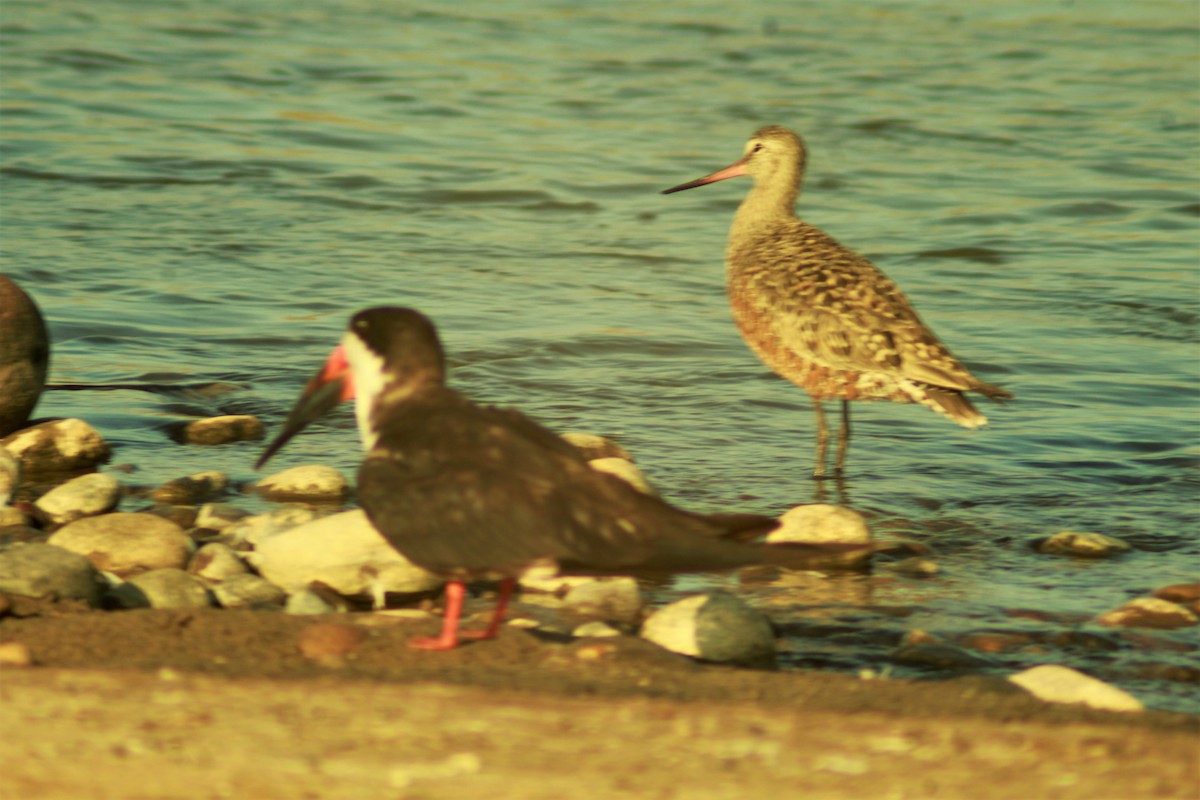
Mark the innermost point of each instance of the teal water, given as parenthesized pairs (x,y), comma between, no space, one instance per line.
(202,192)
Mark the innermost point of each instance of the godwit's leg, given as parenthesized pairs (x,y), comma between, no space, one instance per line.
(843,438)
(448,639)
(822,438)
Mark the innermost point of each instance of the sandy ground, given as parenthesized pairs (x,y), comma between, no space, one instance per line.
(224,704)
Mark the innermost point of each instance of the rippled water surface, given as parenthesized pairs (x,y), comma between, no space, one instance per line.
(201,192)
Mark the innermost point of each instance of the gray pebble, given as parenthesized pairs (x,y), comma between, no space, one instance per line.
(716,626)
(83,496)
(312,483)
(1082,544)
(43,570)
(124,543)
(191,489)
(162,588)
(62,445)
(247,590)
(223,430)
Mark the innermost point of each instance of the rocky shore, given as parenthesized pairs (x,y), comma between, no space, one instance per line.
(177,580)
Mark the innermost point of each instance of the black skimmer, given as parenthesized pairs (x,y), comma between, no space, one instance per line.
(481,493)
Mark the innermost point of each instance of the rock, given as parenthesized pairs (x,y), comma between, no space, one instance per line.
(183,516)
(192,489)
(247,589)
(939,655)
(344,552)
(625,470)
(311,483)
(1149,612)
(1058,684)
(716,626)
(162,588)
(995,642)
(11,515)
(1182,593)
(595,447)
(307,601)
(916,567)
(595,630)
(10,476)
(216,562)
(820,523)
(223,430)
(45,571)
(609,598)
(24,356)
(329,643)
(15,654)
(1081,544)
(61,445)
(258,528)
(124,543)
(84,496)
(219,516)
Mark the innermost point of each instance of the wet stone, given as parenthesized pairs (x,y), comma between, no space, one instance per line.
(10,475)
(223,430)
(1149,612)
(62,445)
(161,588)
(625,470)
(218,516)
(716,626)
(191,489)
(344,552)
(1082,545)
(84,496)
(939,655)
(125,543)
(995,642)
(310,483)
(820,523)
(593,446)
(1058,684)
(183,516)
(247,589)
(216,562)
(1182,593)
(45,571)
(917,567)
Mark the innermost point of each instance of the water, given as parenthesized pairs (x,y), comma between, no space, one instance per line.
(202,192)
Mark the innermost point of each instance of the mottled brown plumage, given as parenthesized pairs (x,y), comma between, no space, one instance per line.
(821,315)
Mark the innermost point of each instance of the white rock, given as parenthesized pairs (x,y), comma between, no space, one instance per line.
(820,523)
(43,570)
(342,551)
(1149,612)
(162,588)
(617,598)
(307,601)
(1083,544)
(312,482)
(595,630)
(62,445)
(124,543)
(84,496)
(593,446)
(247,589)
(10,475)
(625,470)
(1058,684)
(216,562)
(260,527)
(716,626)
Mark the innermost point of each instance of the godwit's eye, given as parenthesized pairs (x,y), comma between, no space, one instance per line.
(756,148)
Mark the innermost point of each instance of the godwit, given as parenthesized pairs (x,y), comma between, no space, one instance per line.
(821,315)
(478,493)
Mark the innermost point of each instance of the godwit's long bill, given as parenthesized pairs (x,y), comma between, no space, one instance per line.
(481,493)
(821,315)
